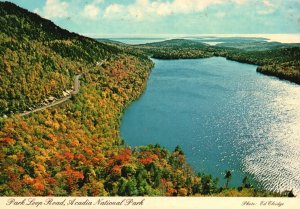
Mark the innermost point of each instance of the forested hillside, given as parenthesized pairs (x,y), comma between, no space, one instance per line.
(283,63)
(39,59)
(281,60)
(176,49)
(75,148)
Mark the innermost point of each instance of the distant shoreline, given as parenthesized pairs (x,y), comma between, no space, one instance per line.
(282,38)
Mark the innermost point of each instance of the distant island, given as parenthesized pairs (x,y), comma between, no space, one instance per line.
(75,148)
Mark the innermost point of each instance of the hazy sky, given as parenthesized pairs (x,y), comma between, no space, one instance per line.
(100,17)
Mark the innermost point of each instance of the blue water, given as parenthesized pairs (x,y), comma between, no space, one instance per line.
(224,115)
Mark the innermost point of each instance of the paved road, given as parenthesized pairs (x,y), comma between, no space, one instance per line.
(76,90)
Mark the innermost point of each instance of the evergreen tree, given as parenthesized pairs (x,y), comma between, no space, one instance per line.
(228,177)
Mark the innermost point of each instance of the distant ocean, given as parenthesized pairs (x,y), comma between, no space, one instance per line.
(211,39)
(137,40)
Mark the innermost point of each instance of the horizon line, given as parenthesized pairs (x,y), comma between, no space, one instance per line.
(180,34)
(271,37)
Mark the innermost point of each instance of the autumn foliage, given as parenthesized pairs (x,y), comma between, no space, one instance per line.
(75,148)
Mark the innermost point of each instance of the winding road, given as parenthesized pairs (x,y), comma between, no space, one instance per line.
(76,90)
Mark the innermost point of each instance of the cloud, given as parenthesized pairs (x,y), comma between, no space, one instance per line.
(113,10)
(91,11)
(241,2)
(182,6)
(54,9)
(142,9)
(164,9)
(269,8)
(267,3)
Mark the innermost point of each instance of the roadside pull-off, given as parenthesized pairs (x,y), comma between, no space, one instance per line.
(76,90)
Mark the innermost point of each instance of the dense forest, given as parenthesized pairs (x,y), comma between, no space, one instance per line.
(39,59)
(280,60)
(75,148)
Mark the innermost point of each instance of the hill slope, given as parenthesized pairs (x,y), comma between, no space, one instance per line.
(39,59)
(281,61)
(75,149)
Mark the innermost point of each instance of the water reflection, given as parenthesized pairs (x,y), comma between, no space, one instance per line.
(225,116)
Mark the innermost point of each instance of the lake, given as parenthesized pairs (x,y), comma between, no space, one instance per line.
(225,116)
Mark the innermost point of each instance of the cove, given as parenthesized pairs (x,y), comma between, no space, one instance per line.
(225,116)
